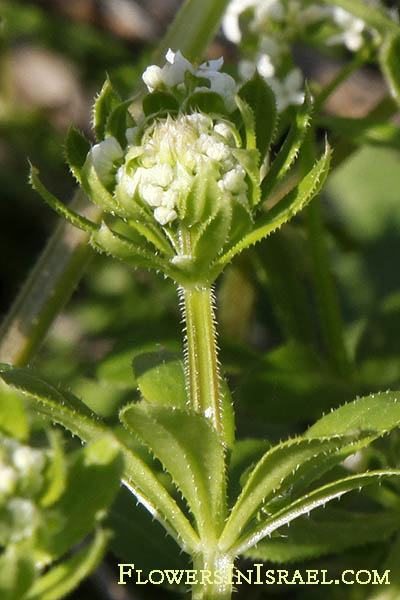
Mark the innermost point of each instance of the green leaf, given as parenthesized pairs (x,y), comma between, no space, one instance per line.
(304,505)
(275,474)
(13,417)
(105,103)
(118,121)
(289,150)
(390,61)
(160,377)
(17,571)
(66,576)
(64,408)
(76,150)
(60,208)
(206,102)
(285,210)
(77,418)
(328,530)
(377,414)
(92,484)
(96,190)
(56,471)
(159,102)
(213,235)
(259,96)
(120,247)
(189,448)
(249,122)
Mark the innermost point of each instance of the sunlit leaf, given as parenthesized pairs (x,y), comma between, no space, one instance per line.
(105,103)
(328,530)
(189,448)
(160,377)
(307,503)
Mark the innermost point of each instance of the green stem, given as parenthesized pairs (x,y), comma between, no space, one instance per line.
(328,303)
(64,260)
(201,354)
(213,576)
(48,288)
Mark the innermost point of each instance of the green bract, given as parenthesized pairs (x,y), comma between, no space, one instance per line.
(181,188)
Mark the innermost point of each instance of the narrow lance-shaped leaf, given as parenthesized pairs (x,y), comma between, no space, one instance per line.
(160,377)
(66,576)
(60,208)
(189,448)
(276,472)
(106,102)
(306,504)
(377,413)
(390,61)
(119,120)
(121,248)
(290,148)
(63,408)
(330,530)
(259,96)
(285,210)
(76,151)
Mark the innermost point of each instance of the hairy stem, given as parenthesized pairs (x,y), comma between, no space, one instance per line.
(212,576)
(201,354)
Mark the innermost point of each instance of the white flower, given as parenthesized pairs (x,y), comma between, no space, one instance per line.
(8,479)
(174,152)
(230,22)
(104,156)
(153,77)
(288,91)
(28,459)
(173,74)
(266,11)
(352,30)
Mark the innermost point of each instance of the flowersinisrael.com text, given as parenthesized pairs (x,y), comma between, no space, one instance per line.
(258,575)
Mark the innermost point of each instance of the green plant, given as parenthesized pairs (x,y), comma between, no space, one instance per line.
(204,172)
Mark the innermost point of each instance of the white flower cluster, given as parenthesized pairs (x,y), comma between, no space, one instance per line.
(21,478)
(277,22)
(173,152)
(173,74)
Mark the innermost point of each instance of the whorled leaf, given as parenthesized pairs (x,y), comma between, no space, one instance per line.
(304,505)
(376,414)
(62,407)
(76,151)
(58,206)
(276,472)
(260,98)
(328,530)
(160,377)
(290,148)
(283,211)
(107,100)
(118,246)
(118,121)
(189,448)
